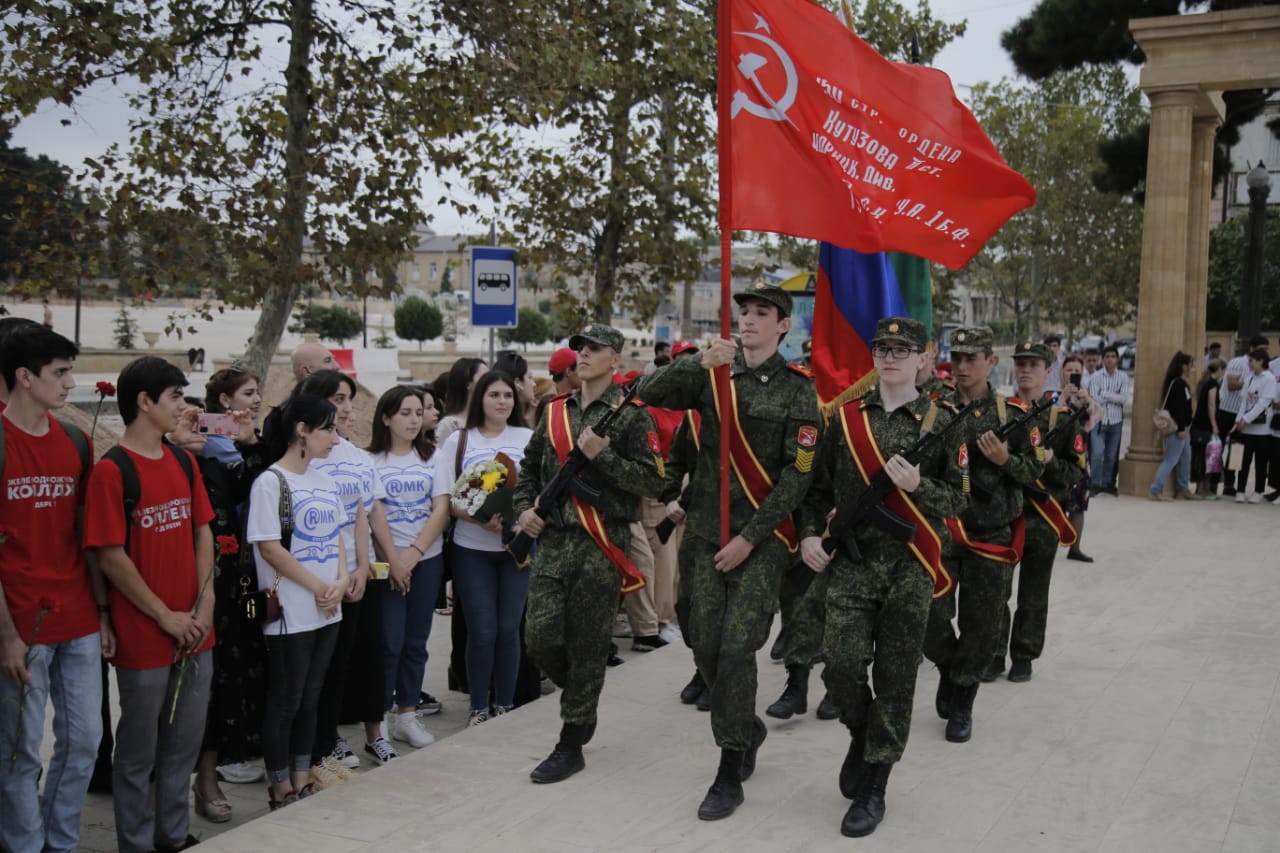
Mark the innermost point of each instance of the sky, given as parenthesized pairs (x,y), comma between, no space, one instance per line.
(99,121)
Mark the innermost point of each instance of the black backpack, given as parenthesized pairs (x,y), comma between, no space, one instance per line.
(132,487)
(78,438)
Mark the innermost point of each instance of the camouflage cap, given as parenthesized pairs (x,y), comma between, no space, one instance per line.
(770,293)
(598,333)
(971,340)
(1032,349)
(902,329)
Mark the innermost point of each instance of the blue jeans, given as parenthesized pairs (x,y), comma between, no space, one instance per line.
(1105,452)
(493,591)
(406,625)
(68,674)
(1177,458)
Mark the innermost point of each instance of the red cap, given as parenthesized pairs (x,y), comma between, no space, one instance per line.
(681,347)
(562,360)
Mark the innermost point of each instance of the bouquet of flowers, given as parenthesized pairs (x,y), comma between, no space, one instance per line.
(485,489)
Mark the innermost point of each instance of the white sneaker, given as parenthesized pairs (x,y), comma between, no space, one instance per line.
(406,729)
(343,754)
(670,632)
(1276,501)
(1241,497)
(381,750)
(476,718)
(1255,498)
(241,773)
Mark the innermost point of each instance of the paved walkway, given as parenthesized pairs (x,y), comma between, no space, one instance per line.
(1151,724)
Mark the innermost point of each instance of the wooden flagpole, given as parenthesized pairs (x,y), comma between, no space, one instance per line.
(724,150)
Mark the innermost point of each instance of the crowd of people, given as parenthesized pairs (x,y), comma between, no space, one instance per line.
(256,582)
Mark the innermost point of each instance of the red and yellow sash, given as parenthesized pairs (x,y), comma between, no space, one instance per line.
(855,422)
(1007,554)
(755,481)
(1055,516)
(560,433)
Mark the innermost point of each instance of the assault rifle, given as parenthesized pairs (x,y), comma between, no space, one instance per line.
(870,508)
(1002,432)
(1073,414)
(567,482)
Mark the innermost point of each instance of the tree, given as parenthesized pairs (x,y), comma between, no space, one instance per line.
(41,219)
(598,150)
(531,328)
(332,323)
(1061,35)
(1227,246)
(1072,258)
(418,320)
(333,149)
(124,329)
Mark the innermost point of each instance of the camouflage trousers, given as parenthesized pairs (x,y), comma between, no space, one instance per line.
(981,585)
(803,607)
(1034,573)
(729,614)
(573,596)
(877,611)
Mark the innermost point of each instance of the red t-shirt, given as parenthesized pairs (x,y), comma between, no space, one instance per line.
(41,563)
(161,545)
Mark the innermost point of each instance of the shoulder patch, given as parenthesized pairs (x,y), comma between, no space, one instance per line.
(801,370)
(1018,404)
(808,436)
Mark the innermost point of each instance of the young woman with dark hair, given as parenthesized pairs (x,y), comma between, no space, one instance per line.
(514,365)
(491,590)
(402,452)
(1175,392)
(462,377)
(310,579)
(1253,427)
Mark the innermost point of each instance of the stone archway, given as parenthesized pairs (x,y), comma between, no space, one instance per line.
(1191,61)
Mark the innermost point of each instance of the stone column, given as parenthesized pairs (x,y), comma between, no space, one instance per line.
(1202,131)
(1162,290)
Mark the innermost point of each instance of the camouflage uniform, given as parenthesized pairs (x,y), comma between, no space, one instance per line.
(1066,468)
(877,609)
(574,591)
(729,613)
(803,609)
(995,502)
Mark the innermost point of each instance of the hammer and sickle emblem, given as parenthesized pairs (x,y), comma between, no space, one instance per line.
(749,64)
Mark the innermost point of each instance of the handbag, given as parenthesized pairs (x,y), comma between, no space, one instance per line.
(263,605)
(1162,420)
(1213,456)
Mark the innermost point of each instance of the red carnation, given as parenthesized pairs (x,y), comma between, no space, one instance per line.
(106,389)
(48,605)
(228,545)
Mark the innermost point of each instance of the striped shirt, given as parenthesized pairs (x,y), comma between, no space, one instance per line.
(1228,400)
(1111,391)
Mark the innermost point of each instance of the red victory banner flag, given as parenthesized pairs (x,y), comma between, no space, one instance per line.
(825,138)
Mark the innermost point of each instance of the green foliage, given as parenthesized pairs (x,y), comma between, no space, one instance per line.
(531,328)
(418,320)
(1227,246)
(331,143)
(124,329)
(1073,258)
(331,322)
(383,340)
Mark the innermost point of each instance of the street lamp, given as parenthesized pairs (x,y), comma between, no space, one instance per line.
(1259,184)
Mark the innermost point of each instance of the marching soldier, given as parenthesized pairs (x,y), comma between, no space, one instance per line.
(1047,523)
(878,606)
(580,569)
(774,428)
(986,539)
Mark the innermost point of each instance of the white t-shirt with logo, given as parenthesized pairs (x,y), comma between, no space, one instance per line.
(407,484)
(316,542)
(352,469)
(511,441)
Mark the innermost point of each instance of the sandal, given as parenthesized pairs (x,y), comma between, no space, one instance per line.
(214,811)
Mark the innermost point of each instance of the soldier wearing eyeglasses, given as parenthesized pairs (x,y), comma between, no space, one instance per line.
(878,600)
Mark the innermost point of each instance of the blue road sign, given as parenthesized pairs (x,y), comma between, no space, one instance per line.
(493,287)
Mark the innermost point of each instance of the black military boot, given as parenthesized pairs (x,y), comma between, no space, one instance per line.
(960,723)
(867,809)
(942,701)
(566,759)
(853,768)
(725,794)
(759,731)
(795,696)
(693,689)
(993,670)
(827,709)
(703,702)
(1020,671)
